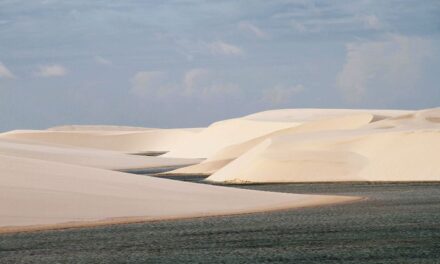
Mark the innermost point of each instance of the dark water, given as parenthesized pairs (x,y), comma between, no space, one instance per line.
(399,223)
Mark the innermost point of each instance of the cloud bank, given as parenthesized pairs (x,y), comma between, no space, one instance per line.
(102,60)
(391,66)
(54,70)
(196,83)
(5,72)
(282,94)
(149,83)
(223,48)
(249,27)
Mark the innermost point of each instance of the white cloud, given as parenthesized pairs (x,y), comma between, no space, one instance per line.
(315,23)
(391,66)
(194,77)
(202,83)
(190,48)
(300,27)
(371,22)
(149,83)
(216,89)
(195,83)
(281,94)
(5,72)
(223,48)
(54,70)
(102,60)
(247,26)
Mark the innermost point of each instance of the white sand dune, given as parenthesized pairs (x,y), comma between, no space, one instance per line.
(154,140)
(62,177)
(37,194)
(101,128)
(239,130)
(88,157)
(311,114)
(402,148)
(204,168)
(97,128)
(222,134)
(313,121)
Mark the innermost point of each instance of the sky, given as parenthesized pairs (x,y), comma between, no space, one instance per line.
(189,63)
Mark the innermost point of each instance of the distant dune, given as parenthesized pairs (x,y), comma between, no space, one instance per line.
(124,140)
(97,128)
(89,157)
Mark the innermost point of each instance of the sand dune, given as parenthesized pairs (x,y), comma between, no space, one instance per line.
(97,128)
(62,177)
(204,168)
(88,157)
(400,148)
(235,131)
(154,140)
(317,121)
(37,194)
(100,128)
(311,114)
(222,134)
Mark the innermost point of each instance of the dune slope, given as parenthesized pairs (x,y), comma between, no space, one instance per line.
(37,194)
(402,148)
(222,134)
(153,140)
(313,120)
(88,157)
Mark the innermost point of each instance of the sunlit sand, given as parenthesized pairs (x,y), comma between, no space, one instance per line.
(71,176)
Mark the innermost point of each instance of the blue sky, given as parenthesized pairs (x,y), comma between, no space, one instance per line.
(189,63)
